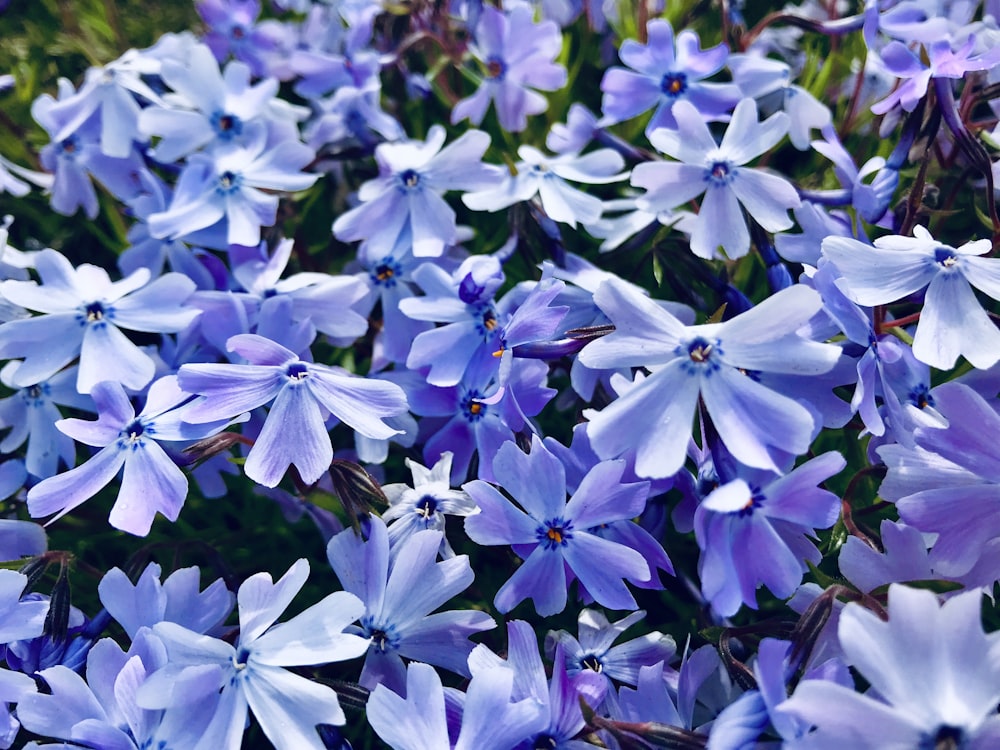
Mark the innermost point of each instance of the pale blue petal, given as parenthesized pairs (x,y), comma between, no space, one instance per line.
(261,601)
(541,578)
(107,354)
(498,521)
(601,565)
(316,636)
(360,403)
(536,480)
(63,492)
(752,419)
(288,707)
(151,482)
(362,565)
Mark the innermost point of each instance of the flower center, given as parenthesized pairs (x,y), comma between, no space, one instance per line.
(240,659)
(554,533)
(472,409)
(591,662)
(229,182)
(95,312)
(699,350)
(495,69)
(921,396)
(427,505)
(945,257)
(755,501)
(545,742)
(719,172)
(385,273)
(947,738)
(226,125)
(297,371)
(409,178)
(383,637)
(674,84)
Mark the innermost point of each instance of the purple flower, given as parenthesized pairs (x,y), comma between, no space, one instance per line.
(516,55)
(901,61)
(419,721)
(151,481)
(716,363)
(546,177)
(233,29)
(210,107)
(952,321)
(32,413)
(717,170)
(413,176)
(304,394)
(252,672)
(663,74)
(399,596)
(83,309)
(177,599)
(424,506)
(946,484)
(594,649)
(935,678)
(756,534)
(555,535)
(228,185)
(102,712)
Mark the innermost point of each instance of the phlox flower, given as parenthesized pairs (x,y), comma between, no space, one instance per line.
(151,481)
(229,183)
(178,599)
(413,177)
(399,594)
(83,310)
(902,62)
(752,531)
(517,55)
(252,673)
(553,534)
(717,170)
(593,649)
(946,483)
(546,176)
(489,719)
(208,106)
(234,29)
(31,415)
(476,417)
(663,72)
(952,321)
(101,712)
(77,155)
(935,678)
(304,395)
(717,364)
(559,696)
(424,506)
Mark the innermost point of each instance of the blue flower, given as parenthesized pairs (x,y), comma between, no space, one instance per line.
(662,73)
(751,535)
(717,170)
(151,481)
(715,363)
(399,595)
(304,394)
(935,678)
(516,55)
(490,721)
(83,311)
(413,176)
(952,321)
(252,672)
(554,535)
